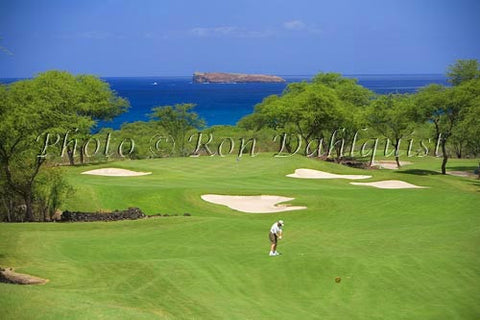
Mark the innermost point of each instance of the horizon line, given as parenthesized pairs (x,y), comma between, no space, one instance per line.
(281,75)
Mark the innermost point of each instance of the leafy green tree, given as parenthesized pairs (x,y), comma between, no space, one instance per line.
(309,111)
(258,119)
(355,99)
(433,107)
(313,110)
(52,102)
(394,117)
(51,190)
(465,139)
(90,98)
(23,117)
(471,123)
(463,70)
(147,137)
(447,108)
(460,139)
(177,121)
(348,89)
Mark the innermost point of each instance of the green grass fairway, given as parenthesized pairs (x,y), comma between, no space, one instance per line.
(401,254)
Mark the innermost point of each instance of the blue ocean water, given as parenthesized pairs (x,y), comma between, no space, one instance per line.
(225,104)
(216,103)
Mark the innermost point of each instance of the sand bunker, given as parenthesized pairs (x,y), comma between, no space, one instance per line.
(390,164)
(115,172)
(316,174)
(388,184)
(252,204)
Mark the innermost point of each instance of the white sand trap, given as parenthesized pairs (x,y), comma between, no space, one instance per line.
(316,174)
(390,164)
(115,172)
(388,184)
(252,204)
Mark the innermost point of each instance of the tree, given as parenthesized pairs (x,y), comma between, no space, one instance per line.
(52,102)
(306,109)
(313,110)
(460,138)
(463,70)
(348,90)
(466,138)
(177,121)
(446,108)
(90,98)
(471,128)
(258,120)
(51,191)
(301,109)
(355,98)
(393,116)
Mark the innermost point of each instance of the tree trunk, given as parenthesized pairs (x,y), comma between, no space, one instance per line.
(70,156)
(339,155)
(288,146)
(9,216)
(397,152)
(11,211)
(44,213)
(23,190)
(81,156)
(8,204)
(445,157)
(397,160)
(29,204)
(458,150)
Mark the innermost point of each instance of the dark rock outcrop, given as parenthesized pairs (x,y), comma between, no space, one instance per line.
(129,214)
(220,77)
(8,275)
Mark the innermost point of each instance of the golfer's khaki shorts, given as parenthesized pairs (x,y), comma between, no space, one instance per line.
(272,237)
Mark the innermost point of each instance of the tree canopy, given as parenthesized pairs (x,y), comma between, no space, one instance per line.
(177,121)
(463,70)
(394,117)
(450,110)
(51,103)
(313,109)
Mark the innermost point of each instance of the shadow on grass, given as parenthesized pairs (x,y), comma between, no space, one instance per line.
(420,172)
(463,168)
(89,164)
(477,184)
(80,165)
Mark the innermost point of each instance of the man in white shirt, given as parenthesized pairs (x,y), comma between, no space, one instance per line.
(275,234)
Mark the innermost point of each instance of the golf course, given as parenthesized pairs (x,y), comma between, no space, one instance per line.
(396,253)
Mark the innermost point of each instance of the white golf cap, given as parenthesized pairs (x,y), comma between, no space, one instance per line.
(281,222)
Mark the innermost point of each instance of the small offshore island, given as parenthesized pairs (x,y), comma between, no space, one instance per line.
(220,77)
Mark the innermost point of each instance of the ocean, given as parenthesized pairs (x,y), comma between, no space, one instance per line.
(225,104)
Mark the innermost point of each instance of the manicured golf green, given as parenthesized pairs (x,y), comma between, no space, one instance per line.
(400,254)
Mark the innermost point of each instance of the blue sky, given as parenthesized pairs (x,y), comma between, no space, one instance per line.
(296,37)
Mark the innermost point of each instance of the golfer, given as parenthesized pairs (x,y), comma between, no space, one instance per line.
(275,235)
